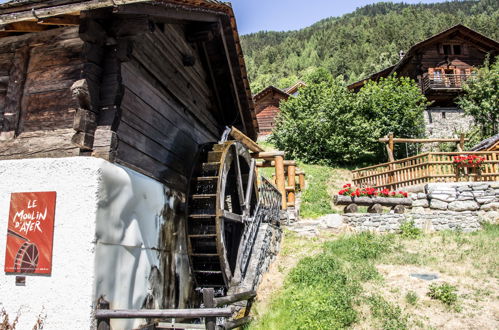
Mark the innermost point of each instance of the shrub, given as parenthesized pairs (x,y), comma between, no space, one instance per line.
(409,230)
(390,315)
(411,298)
(328,123)
(444,292)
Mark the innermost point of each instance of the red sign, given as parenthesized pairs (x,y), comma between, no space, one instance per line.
(30,233)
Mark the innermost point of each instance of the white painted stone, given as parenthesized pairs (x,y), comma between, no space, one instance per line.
(418,209)
(421,196)
(463,206)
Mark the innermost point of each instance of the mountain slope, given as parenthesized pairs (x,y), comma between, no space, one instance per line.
(359,43)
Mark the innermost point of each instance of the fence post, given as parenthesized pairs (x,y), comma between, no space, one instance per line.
(209,302)
(291,184)
(279,174)
(103,324)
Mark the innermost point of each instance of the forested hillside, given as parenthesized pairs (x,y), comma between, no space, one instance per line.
(360,43)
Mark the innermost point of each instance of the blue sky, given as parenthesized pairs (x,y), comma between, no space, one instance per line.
(283,15)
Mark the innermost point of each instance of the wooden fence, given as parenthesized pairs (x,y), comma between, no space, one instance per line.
(424,168)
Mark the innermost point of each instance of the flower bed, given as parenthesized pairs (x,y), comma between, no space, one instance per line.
(370,192)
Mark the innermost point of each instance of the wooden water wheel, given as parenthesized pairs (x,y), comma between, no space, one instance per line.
(26,258)
(222,201)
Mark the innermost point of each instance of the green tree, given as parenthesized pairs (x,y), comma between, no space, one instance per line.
(481,99)
(326,123)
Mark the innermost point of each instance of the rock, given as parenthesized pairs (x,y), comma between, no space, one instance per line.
(441,187)
(491,216)
(413,196)
(480,186)
(443,196)
(333,220)
(375,208)
(494,185)
(485,199)
(398,209)
(490,207)
(351,208)
(463,197)
(464,188)
(421,196)
(463,206)
(421,203)
(438,204)
(479,193)
(418,210)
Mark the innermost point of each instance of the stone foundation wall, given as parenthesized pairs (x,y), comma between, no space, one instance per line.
(446,122)
(442,206)
(390,222)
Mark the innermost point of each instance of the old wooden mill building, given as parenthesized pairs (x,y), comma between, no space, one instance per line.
(167,200)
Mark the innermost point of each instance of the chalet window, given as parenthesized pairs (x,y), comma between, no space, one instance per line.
(443,115)
(448,49)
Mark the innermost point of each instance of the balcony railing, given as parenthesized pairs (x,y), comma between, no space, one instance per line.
(443,81)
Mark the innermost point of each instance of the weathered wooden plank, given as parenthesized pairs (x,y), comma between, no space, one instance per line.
(143,117)
(51,110)
(137,160)
(53,143)
(171,81)
(17,77)
(152,94)
(152,149)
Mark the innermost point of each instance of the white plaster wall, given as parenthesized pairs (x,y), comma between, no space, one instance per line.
(66,295)
(107,240)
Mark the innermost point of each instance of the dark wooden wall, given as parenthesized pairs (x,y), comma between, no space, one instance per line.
(36,106)
(167,107)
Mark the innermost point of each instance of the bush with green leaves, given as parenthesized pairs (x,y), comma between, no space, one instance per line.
(481,100)
(409,230)
(327,123)
(444,292)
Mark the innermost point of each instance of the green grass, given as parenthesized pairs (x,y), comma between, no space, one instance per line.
(339,285)
(321,291)
(316,198)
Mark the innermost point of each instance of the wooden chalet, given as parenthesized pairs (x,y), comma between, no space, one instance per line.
(490,144)
(267,108)
(440,65)
(140,83)
(267,105)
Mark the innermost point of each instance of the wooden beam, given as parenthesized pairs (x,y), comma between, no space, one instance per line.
(227,300)
(167,13)
(232,77)
(301,176)
(268,154)
(13,110)
(41,13)
(404,140)
(68,20)
(26,26)
(162,313)
(268,163)
(279,173)
(237,323)
(245,140)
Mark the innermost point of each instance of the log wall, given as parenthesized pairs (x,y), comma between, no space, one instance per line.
(36,106)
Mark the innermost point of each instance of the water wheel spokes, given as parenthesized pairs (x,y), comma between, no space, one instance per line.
(223,199)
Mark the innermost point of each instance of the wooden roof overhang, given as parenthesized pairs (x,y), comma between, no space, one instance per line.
(483,43)
(208,18)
